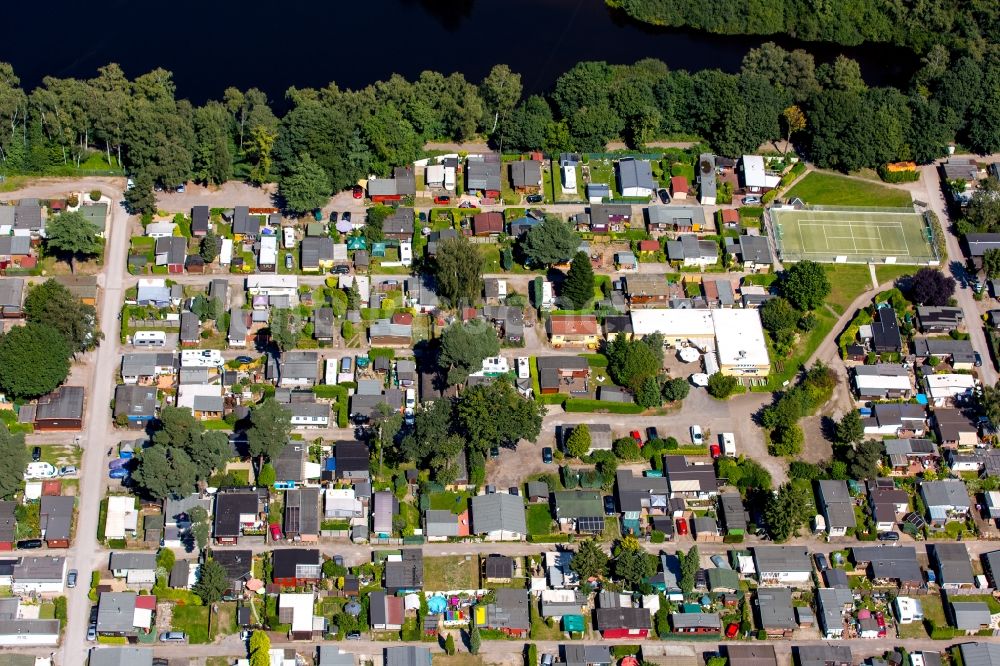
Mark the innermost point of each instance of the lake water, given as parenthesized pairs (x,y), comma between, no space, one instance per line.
(212,44)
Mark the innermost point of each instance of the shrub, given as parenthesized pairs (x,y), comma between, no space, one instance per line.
(95,195)
(722,386)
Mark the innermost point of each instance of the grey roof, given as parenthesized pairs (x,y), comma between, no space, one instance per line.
(315,250)
(961,350)
(399,223)
(640,492)
(482,172)
(498,511)
(56,516)
(635,173)
(133,400)
(180,573)
(407,655)
(696,621)
(331,655)
(209,403)
(302,511)
(782,558)
(237,325)
(144,364)
(323,323)
(121,561)
(15,245)
(755,249)
(575,654)
(951,563)
(939,316)
(751,654)
(228,508)
(619,618)
(289,464)
(734,514)
(384,328)
(897,563)
(244,223)
(947,492)
(526,173)
(116,612)
(66,402)
(11,292)
(677,470)
(970,615)
(836,504)
(980,654)
(172,248)
(440,522)
(682,217)
(121,656)
(407,574)
(825,655)
(830,604)
(28,216)
(774,608)
(300,365)
(706,175)
(688,246)
(509,610)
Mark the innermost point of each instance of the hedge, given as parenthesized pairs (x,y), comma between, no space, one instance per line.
(587,405)
(338,393)
(548,538)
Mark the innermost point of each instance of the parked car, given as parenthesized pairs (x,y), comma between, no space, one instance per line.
(731,630)
(637,437)
(696,435)
(341,269)
(119,473)
(71,578)
(534,198)
(682,526)
(547,659)
(66,470)
(494,452)
(334,216)
(29,544)
(820,561)
(275,532)
(609,505)
(720,562)
(244,359)
(547,455)
(664,195)
(888,536)
(751,199)
(36,453)
(92,632)
(358,192)
(173,637)
(289,262)
(442,199)
(466,204)
(181,188)
(354,636)
(346,216)
(715,451)
(117,463)
(651,434)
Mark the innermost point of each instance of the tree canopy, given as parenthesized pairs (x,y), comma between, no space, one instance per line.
(590,561)
(14,453)
(270,426)
(212,582)
(930,286)
(494,414)
(72,234)
(805,285)
(184,452)
(305,187)
(458,270)
(51,304)
(34,360)
(464,345)
(549,242)
(578,443)
(578,289)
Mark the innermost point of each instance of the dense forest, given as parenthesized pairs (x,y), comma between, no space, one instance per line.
(919,25)
(834,117)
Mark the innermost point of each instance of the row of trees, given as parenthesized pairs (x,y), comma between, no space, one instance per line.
(330,138)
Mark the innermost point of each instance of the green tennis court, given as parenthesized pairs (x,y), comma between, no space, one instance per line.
(844,234)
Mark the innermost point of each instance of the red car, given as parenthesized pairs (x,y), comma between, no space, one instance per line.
(732,630)
(359,192)
(637,437)
(715,451)
(682,527)
(275,532)
(442,200)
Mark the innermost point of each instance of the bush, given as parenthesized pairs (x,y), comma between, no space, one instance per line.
(587,405)
(722,386)
(657,536)
(95,195)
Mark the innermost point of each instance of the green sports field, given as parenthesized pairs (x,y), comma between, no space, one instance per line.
(844,234)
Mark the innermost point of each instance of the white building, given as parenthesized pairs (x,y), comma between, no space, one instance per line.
(755,177)
(944,387)
(122,517)
(908,610)
(268,256)
(273,285)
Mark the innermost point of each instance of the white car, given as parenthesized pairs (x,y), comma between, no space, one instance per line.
(696,436)
(411,399)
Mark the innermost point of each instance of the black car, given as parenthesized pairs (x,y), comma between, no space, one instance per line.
(341,269)
(609,505)
(359,419)
(244,359)
(494,452)
(888,536)
(664,195)
(700,578)
(334,216)
(651,434)
(534,198)
(547,455)
(36,453)
(29,544)
(820,561)
(514,490)
(346,217)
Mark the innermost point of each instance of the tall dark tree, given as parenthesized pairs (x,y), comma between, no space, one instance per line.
(458,270)
(929,286)
(34,360)
(15,456)
(270,426)
(52,304)
(578,288)
(463,348)
(805,285)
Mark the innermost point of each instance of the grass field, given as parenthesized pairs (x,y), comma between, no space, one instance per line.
(451,573)
(857,235)
(539,519)
(830,189)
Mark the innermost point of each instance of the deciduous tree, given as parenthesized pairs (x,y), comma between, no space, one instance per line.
(34,360)
(464,346)
(675,388)
(458,270)
(631,562)
(305,187)
(805,285)
(270,426)
(929,286)
(72,234)
(14,453)
(495,414)
(549,242)
(850,429)
(51,304)
(578,443)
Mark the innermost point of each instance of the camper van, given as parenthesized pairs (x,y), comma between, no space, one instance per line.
(149,339)
(728,443)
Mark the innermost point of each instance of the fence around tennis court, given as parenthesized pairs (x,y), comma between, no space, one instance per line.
(921,245)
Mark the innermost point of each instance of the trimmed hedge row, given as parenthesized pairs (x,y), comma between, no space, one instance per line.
(599,406)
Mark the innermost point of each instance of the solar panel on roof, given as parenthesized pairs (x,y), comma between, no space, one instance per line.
(590,524)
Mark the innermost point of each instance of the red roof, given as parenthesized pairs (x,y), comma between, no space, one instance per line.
(52,488)
(573,325)
(730,215)
(648,246)
(146,601)
(394,613)
(679,184)
(488,223)
(468,314)
(402,318)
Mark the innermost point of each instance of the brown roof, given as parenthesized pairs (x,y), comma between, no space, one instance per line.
(648,246)
(679,183)
(730,215)
(402,318)
(488,223)
(573,325)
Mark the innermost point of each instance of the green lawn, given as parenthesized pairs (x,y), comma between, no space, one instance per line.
(821,188)
(455,572)
(539,519)
(847,281)
(446,501)
(890,273)
(192,620)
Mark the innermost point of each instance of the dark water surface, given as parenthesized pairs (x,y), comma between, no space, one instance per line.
(212,44)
